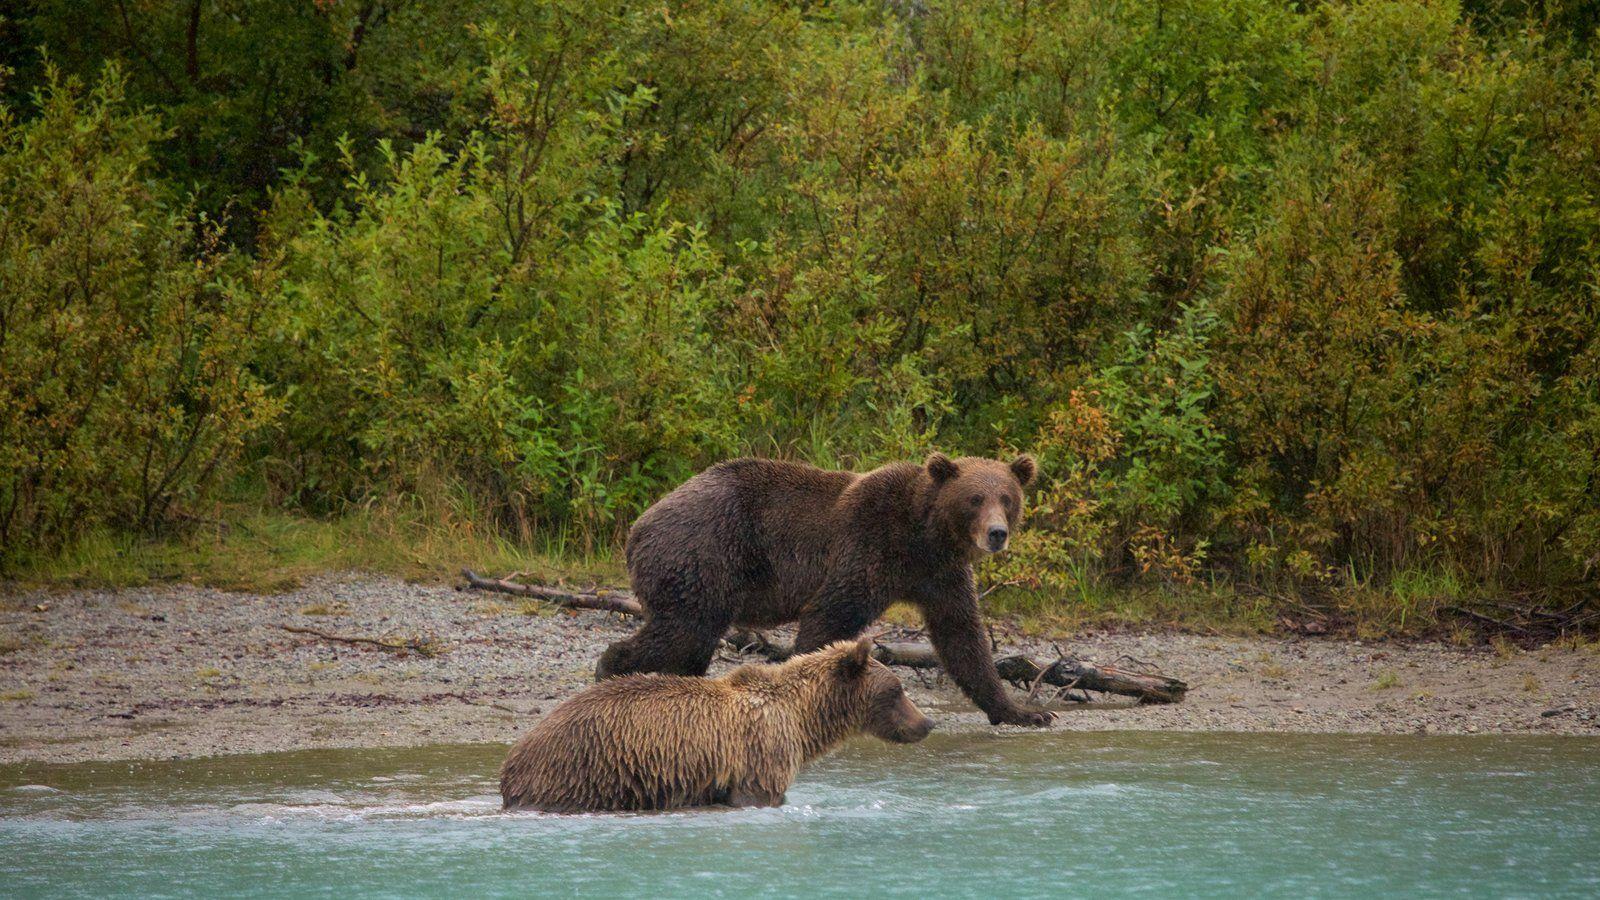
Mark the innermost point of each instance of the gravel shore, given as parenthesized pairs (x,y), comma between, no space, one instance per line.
(180,671)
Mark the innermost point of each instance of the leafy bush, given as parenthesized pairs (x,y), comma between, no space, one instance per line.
(124,328)
(482,316)
(1302,296)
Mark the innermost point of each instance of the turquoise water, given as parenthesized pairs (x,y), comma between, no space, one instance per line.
(1024,815)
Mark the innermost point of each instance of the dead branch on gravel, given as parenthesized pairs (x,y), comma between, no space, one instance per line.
(420,646)
(601,600)
(745,642)
(1491,620)
(1066,672)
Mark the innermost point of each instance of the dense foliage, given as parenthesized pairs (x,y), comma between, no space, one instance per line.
(1298,294)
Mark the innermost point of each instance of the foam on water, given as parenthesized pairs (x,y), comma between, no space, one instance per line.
(972,815)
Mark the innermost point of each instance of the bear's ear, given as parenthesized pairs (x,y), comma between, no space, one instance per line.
(941,468)
(1023,467)
(856,660)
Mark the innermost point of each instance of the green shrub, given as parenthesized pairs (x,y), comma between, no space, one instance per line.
(1284,297)
(124,328)
(480,316)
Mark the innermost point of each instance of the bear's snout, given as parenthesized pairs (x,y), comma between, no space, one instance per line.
(899,720)
(915,731)
(909,731)
(997,538)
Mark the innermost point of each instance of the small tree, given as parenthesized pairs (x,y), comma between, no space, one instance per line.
(123,342)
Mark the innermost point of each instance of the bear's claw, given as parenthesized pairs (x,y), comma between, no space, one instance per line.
(1019,715)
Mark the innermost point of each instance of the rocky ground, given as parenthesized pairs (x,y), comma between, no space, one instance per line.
(183,671)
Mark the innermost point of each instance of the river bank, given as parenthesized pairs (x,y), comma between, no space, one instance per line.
(182,671)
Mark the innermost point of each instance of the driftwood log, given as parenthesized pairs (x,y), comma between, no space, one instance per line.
(1065,673)
(1069,672)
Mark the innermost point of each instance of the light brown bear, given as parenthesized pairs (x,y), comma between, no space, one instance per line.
(655,742)
(761,542)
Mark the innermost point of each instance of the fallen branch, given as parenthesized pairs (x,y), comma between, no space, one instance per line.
(1066,672)
(744,642)
(906,653)
(603,601)
(423,646)
(1070,672)
(1491,620)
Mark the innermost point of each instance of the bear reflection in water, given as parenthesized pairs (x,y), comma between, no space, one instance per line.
(655,742)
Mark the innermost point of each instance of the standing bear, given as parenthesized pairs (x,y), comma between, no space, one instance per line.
(759,542)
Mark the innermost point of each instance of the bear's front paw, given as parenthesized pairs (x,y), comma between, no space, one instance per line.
(1031,716)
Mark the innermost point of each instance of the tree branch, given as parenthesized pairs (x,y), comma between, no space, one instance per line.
(602,601)
(423,646)
(138,49)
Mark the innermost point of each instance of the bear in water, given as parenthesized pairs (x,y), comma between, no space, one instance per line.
(654,742)
(760,542)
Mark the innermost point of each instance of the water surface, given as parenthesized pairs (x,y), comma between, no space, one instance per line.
(1019,815)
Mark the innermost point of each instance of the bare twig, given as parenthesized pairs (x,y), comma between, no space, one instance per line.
(1033,689)
(998,586)
(1136,662)
(1512,626)
(423,646)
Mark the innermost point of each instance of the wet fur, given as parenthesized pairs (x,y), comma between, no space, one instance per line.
(654,742)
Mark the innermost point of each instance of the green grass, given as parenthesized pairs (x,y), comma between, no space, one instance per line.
(1200,608)
(253,548)
(1412,603)
(258,550)
(250,547)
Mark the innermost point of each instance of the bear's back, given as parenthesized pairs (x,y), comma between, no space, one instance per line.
(641,742)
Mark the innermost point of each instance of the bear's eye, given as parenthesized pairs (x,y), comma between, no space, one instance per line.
(976,500)
(1006,501)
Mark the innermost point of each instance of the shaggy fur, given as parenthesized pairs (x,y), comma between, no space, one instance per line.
(652,742)
(760,542)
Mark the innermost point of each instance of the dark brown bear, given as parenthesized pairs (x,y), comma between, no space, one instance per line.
(759,542)
(651,742)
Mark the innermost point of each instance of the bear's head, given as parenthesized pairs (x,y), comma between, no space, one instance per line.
(978,501)
(877,695)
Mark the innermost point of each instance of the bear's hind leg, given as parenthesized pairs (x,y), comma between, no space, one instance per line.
(671,649)
(621,658)
(689,606)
